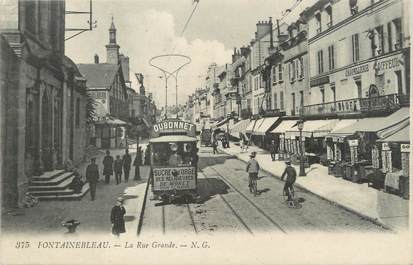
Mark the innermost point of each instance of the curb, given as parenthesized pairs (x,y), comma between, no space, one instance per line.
(363,216)
(143,206)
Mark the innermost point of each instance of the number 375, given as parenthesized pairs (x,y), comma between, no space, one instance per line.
(22,244)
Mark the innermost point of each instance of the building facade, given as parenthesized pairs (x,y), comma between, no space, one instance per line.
(46,95)
(358,50)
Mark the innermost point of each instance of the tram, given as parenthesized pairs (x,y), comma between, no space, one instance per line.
(173,160)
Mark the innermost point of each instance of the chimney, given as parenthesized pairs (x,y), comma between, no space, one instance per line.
(278,28)
(263,28)
(271,35)
(96,59)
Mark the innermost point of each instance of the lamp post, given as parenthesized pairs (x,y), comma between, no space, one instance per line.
(300,128)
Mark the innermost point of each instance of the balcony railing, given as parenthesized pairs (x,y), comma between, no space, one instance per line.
(357,105)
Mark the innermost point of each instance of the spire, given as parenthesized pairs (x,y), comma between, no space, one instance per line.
(112,26)
(112,33)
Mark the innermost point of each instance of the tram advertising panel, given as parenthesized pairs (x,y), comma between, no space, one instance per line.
(176,178)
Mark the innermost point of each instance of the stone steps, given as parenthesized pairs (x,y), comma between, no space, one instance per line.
(58,179)
(53,185)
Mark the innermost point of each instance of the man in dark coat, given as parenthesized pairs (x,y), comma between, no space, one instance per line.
(273,150)
(214,146)
(107,166)
(137,163)
(118,169)
(291,174)
(92,176)
(127,160)
(117,218)
(147,156)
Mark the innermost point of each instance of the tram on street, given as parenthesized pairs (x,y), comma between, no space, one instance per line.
(173,160)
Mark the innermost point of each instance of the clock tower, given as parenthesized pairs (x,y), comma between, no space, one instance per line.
(112,49)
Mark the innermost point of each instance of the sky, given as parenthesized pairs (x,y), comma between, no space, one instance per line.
(148,28)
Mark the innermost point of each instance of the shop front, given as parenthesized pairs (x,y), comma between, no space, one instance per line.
(392,157)
(261,134)
(281,141)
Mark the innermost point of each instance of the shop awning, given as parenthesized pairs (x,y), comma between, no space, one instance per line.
(111,121)
(284,126)
(251,126)
(340,125)
(316,128)
(239,127)
(375,124)
(401,136)
(265,125)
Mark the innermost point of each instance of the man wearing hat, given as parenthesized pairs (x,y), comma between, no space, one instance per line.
(291,177)
(117,217)
(92,176)
(252,168)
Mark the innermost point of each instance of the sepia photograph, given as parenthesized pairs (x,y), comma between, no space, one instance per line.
(205,132)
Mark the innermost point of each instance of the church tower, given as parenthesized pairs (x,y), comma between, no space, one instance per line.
(112,49)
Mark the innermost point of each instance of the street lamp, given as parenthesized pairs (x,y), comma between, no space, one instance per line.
(300,125)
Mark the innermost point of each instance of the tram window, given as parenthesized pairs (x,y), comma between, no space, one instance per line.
(174,154)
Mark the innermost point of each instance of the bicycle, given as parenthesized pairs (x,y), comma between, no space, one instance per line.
(293,203)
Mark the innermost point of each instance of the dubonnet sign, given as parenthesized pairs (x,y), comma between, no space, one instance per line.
(163,179)
(173,126)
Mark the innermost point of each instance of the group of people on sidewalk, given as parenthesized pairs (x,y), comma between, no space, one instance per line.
(112,166)
(253,168)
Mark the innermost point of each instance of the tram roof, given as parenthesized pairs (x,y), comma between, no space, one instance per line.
(172,138)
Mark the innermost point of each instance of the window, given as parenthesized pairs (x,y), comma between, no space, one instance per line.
(280,73)
(398,37)
(274,74)
(293,101)
(297,68)
(331,57)
(301,67)
(323,96)
(281,100)
(389,36)
(77,120)
(355,47)
(30,15)
(320,62)
(329,11)
(377,41)
(318,21)
(301,98)
(275,100)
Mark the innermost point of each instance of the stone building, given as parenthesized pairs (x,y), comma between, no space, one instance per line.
(44,95)
(357,50)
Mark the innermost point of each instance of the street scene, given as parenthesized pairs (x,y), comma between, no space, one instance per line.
(145,118)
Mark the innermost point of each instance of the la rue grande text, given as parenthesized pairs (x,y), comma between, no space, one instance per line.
(170,244)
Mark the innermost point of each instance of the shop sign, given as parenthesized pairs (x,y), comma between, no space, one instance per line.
(357,70)
(163,179)
(173,126)
(385,147)
(405,148)
(353,142)
(387,64)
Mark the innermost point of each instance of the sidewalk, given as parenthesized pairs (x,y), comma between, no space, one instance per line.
(387,209)
(46,217)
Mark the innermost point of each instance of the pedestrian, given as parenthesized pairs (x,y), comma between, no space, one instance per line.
(147,160)
(117,218)
(107,166)
(273,150)
(291,174)
(253,168)
(214,146)
(92,176)
(137,163)
(118,169)
(76,184)
(127,160)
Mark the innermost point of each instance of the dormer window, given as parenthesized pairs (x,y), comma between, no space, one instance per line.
(329,11)
(353,7)
(318,21)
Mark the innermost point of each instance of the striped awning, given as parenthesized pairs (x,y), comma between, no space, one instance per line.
(253,125)
(239,128)
(266,124)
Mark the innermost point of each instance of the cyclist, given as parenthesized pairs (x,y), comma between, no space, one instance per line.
(252,168)
(291,176)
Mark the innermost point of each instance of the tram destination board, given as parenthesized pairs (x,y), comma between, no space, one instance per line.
(164,179)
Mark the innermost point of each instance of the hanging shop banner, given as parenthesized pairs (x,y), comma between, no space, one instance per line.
(330,154)
(166,179)
(353,142)
(386,158)
(375,157)
(353,155)
(405,148)
(385,147)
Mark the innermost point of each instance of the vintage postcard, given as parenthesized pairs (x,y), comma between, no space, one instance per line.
(205,132)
